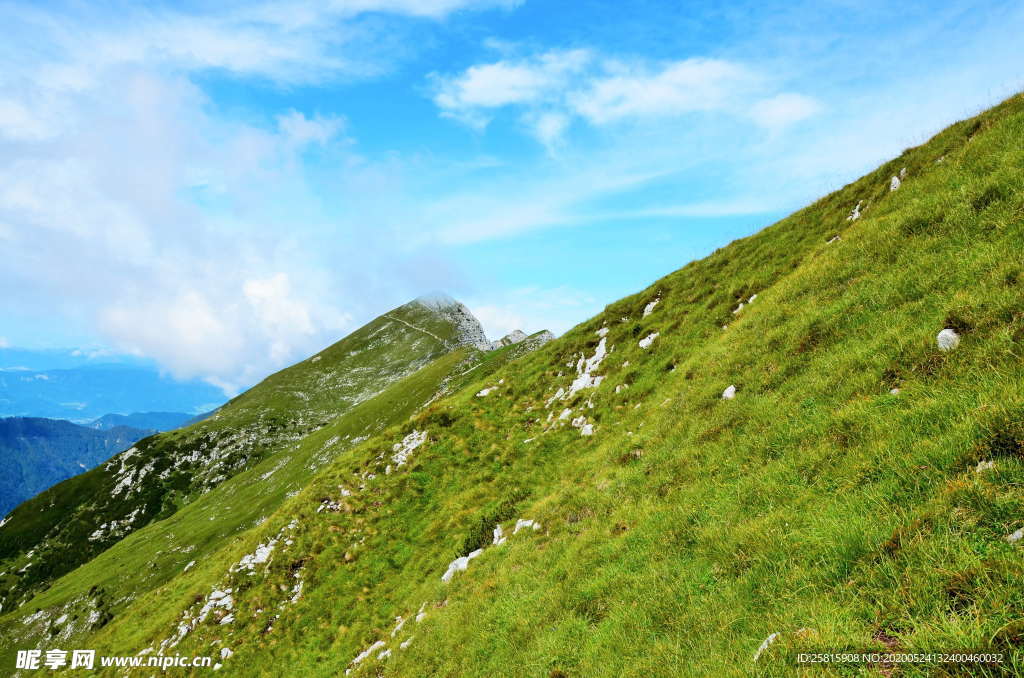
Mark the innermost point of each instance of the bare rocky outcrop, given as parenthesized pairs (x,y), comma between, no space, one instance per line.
(468,330)
(513,337)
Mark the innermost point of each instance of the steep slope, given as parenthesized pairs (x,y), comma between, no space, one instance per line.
(769,451)
(73,522)
(38,453)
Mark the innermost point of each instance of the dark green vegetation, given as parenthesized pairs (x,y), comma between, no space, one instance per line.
(818,504)
(37,453)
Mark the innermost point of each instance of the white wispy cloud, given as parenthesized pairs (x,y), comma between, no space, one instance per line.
(131,203)
(318,129)
(677,88)
(784,109)
(556,86)
(469,95)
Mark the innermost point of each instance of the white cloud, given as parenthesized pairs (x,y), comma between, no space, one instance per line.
(4,343)
(298,14)
(230,337)
(680,87)
(292,42)
(518,204)
(174,230)
(556,86)
(532,309)
(784,109)
(468,95)
(18,123)
(549,128)
(302,130)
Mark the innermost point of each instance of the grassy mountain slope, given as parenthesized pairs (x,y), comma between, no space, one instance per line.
(95,592)
(817,504)
(78,519)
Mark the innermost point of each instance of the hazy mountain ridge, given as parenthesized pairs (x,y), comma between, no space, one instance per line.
(768,451)
(85,392)
(153,421)
(36,453)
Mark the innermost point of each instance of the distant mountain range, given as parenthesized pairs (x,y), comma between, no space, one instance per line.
(70,385)
(157,421)
(37,453)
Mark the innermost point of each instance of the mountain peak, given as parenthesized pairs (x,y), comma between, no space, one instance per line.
(468,330)
(437,300)
(513,337)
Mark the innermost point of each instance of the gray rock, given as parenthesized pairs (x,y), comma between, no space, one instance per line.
(947,339)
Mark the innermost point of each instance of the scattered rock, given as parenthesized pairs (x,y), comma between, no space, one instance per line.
(523,524)
(585,428)
(947,339)
(650,307)
(985,466)
(499,536)
(409,443)
(648,340)
(460,564)
(764,646)
(1016,536)
(584,368)
(486,391)
(366,653)
(854,215)
(894,391)
(729,393)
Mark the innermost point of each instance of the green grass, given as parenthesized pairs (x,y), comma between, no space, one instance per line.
(688,528)
(268,428)
(184,464)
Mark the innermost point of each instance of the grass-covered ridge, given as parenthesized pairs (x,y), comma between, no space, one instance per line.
(348,389)
(817,504)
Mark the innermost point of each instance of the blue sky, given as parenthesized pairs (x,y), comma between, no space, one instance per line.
(227,187)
